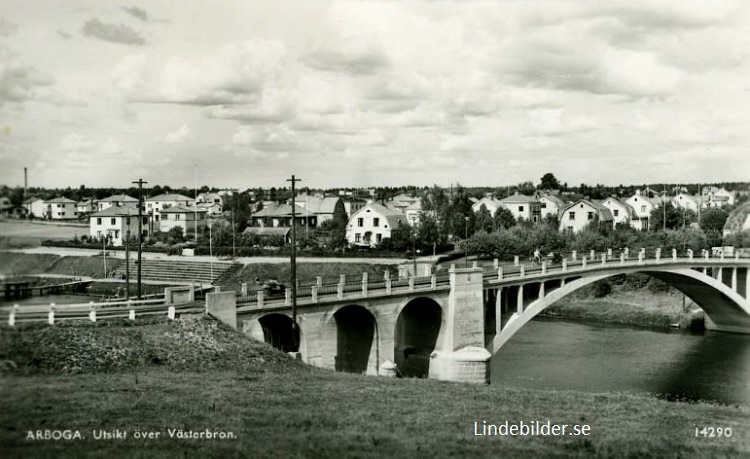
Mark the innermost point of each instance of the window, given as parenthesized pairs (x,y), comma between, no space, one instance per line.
(358,237)
(376,222)
(112,221)
(360,222)
(176,216)
(571,215)
(616,212)
(378,237)
(157,217)
(127,221)
(99,221)
(591,216)
(544,205)
(520,208)
(145,220)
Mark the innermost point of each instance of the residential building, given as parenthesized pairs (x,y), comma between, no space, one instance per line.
(738,220)
(14,212)
(37,208)
(717,197)
(86,206)
(114,222)
(642,205)
(414,213)
(352,205)
(489,203)
(687,201)
(156,204)
(372,224)
(212,198)
(187,218)
(61,208)
(622,213)
(577,216)
(324,207)
(212,209)
(280,215)
(5,203)
(523,207)
(116,200)
(401,202)
(550,205)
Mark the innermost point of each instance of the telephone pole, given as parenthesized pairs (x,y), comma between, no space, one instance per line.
(140,183)
(295,332)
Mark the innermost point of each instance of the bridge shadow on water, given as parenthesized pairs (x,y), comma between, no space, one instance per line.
(714,367)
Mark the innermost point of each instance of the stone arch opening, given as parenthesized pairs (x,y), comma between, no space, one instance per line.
(277,331)
(356,339)
(416,336)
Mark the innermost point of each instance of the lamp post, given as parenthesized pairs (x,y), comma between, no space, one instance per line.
(210,247)
(466,238)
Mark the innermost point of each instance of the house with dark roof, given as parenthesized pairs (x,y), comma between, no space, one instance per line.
(523,207)
(323,207)
(577,216)
(61,208)
(373,223)
(280,215)
(115,222)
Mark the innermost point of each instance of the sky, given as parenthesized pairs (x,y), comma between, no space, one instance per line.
(244,94)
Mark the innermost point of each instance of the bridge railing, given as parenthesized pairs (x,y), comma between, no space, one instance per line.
(92,311)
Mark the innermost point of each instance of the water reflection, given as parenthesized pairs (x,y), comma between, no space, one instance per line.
(591,357)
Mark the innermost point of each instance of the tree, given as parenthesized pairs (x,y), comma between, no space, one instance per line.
(549,182)
(713,219)
(670,216)
(484,220)
(503,218)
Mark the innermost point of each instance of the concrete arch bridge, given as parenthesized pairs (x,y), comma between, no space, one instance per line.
(447,325)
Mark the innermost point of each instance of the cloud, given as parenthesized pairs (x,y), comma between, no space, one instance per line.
(179,135)
(136,12)
(18,83)
(355,55)
(113,33)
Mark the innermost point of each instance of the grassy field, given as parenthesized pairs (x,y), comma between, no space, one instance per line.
(13,264)
(195,374)
(84,266)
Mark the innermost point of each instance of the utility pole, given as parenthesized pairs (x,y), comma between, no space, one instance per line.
(140,183)
(195,206)
(127,263)
(664,208)
(295,332)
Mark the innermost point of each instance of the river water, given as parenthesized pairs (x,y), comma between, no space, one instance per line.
(593,357)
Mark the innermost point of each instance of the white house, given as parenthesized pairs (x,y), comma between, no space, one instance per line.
(622,213)
(114,223)
(717,197)
(373,223)
(183,217)
(687,201)
(352,205)
(414,213)
(642,205)
(156,204)
(550,205)
(575,217)
(213,198)
(116,200)
(37,208)
(86,206)
(212,209)
(61,208)
(523,207)
(489,202)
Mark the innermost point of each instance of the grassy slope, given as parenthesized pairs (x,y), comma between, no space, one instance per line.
(84,266)
(276,406)
(21,263)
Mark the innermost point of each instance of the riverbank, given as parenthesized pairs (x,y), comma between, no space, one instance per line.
(196,374)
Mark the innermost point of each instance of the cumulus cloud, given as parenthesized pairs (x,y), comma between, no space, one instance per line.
(18,83)
(356,55)
(113,33)
(137,13)
(179,135)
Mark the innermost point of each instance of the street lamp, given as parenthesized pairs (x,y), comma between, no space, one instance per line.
(209,222)
(466,238)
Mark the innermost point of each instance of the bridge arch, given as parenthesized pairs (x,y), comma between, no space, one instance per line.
(417,333)
(725,308)
(351,338)
(277,331)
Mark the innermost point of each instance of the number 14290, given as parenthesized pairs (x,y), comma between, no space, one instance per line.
(713,432)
